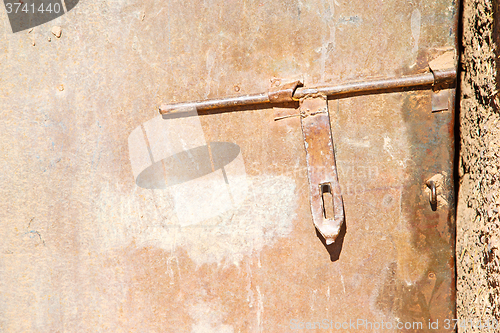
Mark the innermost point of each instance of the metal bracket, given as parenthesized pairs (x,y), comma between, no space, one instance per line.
(327,206)
(283,93)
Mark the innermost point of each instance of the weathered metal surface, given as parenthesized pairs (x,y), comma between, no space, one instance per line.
(390,205)
(84,248)
(321,168)
(443,78)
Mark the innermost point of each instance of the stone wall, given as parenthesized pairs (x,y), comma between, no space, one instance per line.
(478,237)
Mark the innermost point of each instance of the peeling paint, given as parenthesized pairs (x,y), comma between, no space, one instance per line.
(147,217)
(208,318)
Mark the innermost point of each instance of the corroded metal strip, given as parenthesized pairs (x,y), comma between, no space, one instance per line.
(324,186)
(289,93)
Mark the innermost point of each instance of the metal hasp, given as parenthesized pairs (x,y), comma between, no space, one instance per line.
(327,206)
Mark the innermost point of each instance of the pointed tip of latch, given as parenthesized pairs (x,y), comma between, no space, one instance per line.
(330,232)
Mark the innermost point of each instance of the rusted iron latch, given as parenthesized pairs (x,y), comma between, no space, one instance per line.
(325,194)
(327,206)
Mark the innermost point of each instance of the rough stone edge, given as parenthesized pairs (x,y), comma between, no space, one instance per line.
(478,223)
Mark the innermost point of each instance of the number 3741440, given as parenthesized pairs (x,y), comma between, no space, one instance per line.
(20,8)
(460,323)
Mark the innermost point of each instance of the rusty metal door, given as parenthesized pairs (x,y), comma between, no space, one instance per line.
(247,179)
(270,212)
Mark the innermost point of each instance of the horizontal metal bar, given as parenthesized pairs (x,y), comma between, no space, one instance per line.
(370,87)
(211,104)
(413,82)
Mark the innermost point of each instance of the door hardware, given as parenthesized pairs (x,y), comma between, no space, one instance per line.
(324,187)
(326,202)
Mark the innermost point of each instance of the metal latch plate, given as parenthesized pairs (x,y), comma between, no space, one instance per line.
(325,195)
